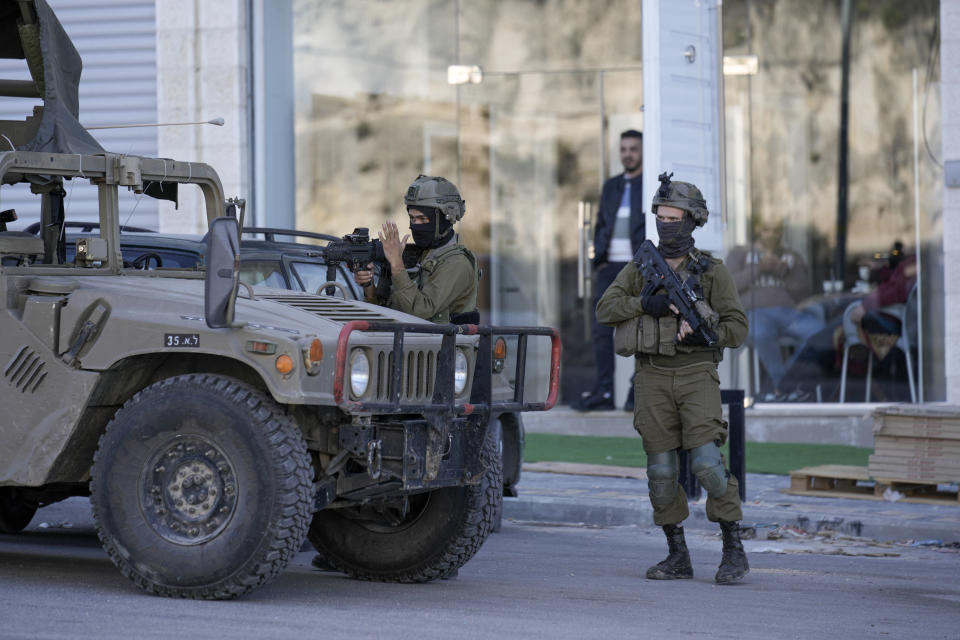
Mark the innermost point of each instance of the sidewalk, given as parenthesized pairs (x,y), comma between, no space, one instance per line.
(827,423)
(573,494)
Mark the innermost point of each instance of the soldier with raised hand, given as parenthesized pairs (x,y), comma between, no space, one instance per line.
(676,384)
(441,283)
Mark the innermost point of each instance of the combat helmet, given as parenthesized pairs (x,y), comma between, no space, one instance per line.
(682,195)
(436,192)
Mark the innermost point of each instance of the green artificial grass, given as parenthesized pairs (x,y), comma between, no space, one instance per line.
(761,457)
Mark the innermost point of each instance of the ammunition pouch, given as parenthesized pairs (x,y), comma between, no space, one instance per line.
(646,334)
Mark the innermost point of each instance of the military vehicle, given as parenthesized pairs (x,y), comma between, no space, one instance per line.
(284,259)
(215,430)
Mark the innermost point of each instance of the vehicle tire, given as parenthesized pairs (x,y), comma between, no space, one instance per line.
(201,488)
(496,432)
(15,513)
(514,441)
(440,532)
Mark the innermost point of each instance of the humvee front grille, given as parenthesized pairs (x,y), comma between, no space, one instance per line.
(26,370)
(327,307)
(417,374)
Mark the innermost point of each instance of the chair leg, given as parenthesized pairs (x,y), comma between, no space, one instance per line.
(843,373)
(756,371)
(913,388)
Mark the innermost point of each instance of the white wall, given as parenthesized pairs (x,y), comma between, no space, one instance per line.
(202,65)
(950,107)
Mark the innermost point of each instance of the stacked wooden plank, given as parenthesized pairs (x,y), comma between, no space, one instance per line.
(917,443)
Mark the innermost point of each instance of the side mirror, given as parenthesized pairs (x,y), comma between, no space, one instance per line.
(223,272)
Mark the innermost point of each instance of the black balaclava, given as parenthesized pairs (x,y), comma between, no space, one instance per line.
(676,238)
(434,233)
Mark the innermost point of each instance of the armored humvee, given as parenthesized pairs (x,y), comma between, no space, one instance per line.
(284,259)
(213,429)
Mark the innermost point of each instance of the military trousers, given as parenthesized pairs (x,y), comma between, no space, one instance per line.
(680,408)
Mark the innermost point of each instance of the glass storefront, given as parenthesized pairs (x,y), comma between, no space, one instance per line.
(526,146)
(531,144)
(783,142)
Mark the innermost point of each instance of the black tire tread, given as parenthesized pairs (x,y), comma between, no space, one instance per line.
(477,524)
(290,457)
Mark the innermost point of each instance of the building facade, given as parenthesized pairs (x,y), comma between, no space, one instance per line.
(332,108)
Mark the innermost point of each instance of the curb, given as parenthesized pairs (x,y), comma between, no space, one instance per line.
(810,520)
(595,506)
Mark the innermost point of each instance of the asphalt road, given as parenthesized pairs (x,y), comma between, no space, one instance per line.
(528,581)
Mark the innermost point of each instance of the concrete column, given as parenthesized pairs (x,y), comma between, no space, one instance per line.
(950,114)
(202,62)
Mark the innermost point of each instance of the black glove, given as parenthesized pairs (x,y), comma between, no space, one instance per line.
(694,339)
(599,260)
(656,306)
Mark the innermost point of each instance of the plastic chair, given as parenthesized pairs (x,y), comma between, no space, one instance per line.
(908,337)
(907,314)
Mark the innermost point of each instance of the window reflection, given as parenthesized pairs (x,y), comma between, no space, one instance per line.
(782,167)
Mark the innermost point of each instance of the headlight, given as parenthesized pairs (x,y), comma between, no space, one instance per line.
(459,373)
(359,372)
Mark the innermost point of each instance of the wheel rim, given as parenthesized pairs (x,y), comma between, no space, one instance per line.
(188,491)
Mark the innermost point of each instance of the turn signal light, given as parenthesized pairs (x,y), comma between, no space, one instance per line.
(284,364)
(316,351)
(499,354)
(312,356)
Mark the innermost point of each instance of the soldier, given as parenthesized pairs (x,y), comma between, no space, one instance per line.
(676,383)
(444,284)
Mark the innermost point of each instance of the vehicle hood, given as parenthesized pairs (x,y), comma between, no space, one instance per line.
(180,299)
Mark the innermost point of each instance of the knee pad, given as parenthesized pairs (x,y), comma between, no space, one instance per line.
(662,471)
(706,463)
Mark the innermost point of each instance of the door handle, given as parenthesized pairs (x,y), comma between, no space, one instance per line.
(585,264)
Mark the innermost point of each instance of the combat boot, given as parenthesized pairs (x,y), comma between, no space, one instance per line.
(676,566)
(734,565)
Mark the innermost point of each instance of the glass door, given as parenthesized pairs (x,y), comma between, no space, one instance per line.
(536,139)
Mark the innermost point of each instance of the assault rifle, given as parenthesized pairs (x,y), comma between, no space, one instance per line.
(657,273)
(357,250)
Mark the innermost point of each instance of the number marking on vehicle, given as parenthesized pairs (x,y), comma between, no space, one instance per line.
(181,339)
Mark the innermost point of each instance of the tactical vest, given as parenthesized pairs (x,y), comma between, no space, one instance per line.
(654,336)
(435,263)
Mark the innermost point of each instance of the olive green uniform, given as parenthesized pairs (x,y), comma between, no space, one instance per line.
(445,284)
(678,396)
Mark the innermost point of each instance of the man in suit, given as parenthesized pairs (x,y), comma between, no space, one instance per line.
(620,229)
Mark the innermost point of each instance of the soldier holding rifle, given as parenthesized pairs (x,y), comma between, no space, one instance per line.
(440,284)
(678,310)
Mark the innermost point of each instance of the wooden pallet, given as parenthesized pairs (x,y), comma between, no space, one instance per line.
(842,481)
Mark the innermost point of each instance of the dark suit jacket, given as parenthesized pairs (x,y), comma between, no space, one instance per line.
(607,215)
